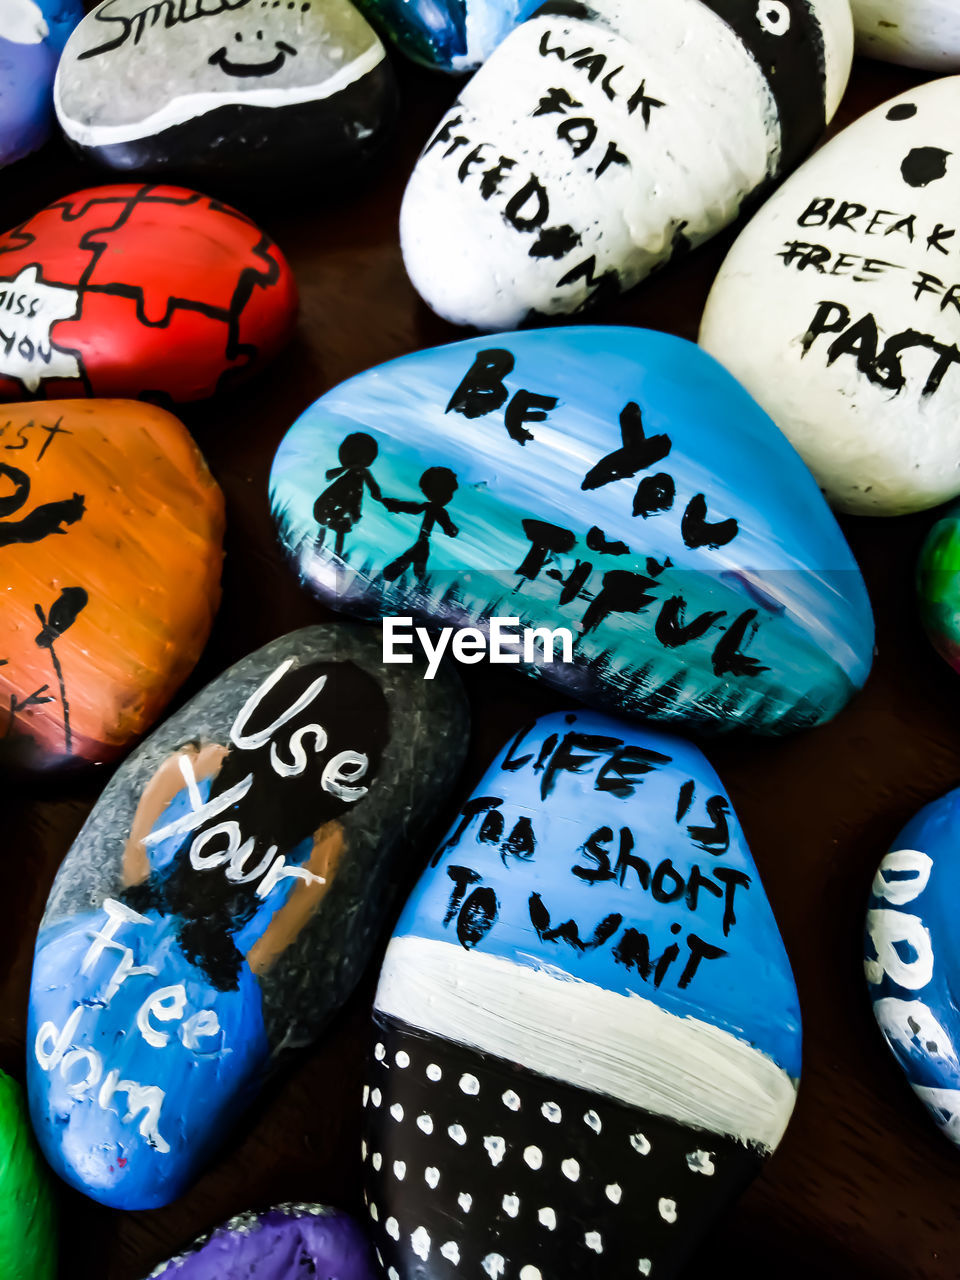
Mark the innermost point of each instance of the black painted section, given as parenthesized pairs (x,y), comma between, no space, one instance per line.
(792,61)
(238,145)
(628,1232)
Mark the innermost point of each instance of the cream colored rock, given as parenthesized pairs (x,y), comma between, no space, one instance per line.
(596,142)
(918,33)
(838,307)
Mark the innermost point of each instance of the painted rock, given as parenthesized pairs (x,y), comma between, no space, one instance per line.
(938,586)
(918,33)
(587,1031)
(28,1232)
(237,91)
(289,1242)
(222,900)
(911,957)
(454,35)
(598,141)
(111,531)
(32,36)
(838,307)
(614,483)
(139,291)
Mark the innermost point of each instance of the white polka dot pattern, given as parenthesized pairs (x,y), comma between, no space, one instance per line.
(479,1168)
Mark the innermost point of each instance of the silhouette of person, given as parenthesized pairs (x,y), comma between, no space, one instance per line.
(42,521)
(340,505)
(438,485)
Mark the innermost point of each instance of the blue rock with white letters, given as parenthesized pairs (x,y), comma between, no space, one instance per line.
(32,36)
(616,484)
(221,901)
(587,1035)
(912,956)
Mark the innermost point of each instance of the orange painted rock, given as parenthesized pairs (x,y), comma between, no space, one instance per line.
(137,290)
(110,552)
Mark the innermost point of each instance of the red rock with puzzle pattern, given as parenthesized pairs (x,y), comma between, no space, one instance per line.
(134,290)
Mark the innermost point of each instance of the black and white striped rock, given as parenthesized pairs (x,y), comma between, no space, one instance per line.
(838,308)
(917,33)
(600,140)
(226,90)
(586,1036)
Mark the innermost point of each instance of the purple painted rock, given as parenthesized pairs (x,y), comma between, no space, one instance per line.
(32,36)
(289,1242)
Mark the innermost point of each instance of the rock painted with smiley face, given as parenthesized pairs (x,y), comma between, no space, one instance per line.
(586,1029)
(32,36)
(221,901)
(227,90)
(917,33)
(838,307)
(600,140)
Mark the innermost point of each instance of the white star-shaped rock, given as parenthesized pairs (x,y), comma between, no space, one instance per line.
(28,311)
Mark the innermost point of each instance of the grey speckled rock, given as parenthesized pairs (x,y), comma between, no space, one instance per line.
(222,900)
(233,90)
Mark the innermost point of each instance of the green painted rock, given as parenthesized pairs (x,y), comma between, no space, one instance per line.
(28,1239)
(938,585)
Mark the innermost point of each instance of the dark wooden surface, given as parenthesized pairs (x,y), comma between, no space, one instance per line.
(862,1185)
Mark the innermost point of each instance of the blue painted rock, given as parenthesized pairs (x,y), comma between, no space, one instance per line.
(289,1242)
(917,33)
(587,1036)
(454,35)
(611,482)
(221,901)
(911,959)
(600,140)
(32,36)
(838,307)
(237,92)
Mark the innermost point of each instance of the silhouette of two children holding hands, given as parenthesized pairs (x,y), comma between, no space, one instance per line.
(340,506)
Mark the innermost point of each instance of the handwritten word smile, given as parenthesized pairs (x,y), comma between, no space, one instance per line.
(166,13)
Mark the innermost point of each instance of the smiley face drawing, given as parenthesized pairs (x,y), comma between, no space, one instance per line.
(243,70)
(135,71)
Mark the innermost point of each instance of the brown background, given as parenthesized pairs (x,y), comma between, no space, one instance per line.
(863,1185)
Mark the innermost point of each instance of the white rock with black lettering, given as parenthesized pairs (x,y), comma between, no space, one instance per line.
(598,141)
(917,33)
(838,307)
